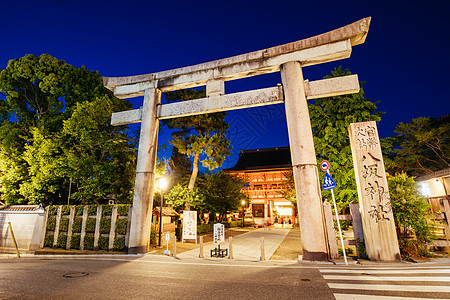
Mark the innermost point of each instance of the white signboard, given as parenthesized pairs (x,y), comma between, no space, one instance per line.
(189,225)
(219,234)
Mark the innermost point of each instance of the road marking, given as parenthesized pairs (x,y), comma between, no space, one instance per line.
(391,287)
(372,297)
(397,283)
(384,278)
(397,271)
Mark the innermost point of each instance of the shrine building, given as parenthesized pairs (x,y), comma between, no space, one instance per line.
(263,171)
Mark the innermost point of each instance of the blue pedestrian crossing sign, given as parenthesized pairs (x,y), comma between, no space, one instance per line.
(328,182)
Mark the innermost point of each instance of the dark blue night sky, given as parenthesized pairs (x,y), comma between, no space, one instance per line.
(404,59)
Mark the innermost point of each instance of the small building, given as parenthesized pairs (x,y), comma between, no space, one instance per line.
(27,222)
(264,171)
(435,187)
(169,218)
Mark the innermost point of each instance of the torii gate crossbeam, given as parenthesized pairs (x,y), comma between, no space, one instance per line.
(289,60)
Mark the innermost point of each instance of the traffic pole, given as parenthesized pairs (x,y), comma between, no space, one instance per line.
(339,224)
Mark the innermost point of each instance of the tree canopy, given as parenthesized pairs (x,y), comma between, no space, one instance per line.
(202,137)
(56,135)
(221,193)
(420,147)
(410,214)
(330,119)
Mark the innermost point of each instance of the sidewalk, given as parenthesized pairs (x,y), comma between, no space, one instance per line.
(246,246)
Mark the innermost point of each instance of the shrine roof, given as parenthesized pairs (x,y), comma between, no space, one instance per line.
(167,211)
(259,159)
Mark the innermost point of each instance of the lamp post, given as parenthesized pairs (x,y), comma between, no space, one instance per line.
(243,213)
(162,186)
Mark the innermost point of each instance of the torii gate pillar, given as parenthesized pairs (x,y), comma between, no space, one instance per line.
(304,165)
(141,213)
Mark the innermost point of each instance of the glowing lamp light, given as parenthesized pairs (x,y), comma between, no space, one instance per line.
(162,183)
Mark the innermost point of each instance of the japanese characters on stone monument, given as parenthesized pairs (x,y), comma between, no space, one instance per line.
(288,59)
(373,192)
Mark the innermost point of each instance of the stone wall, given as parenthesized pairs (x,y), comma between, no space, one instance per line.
(27,226)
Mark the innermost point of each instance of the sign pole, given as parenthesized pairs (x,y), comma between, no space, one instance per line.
(329,184)
(339,227)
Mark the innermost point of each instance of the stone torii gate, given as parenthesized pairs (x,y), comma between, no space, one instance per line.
(289,59)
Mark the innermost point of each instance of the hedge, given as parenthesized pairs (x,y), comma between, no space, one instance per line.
(88,242)
(205,228)
(79,210)
(76,226)
(48,241)
(90,225)
(92,210)
(65,210)
(121,226)
(75,242)
(64,224)
(119,244)
(107,210)
(153,235)
(51,223)
(103,243)
(122,209)
(105,225)
(53,210)
(62,240)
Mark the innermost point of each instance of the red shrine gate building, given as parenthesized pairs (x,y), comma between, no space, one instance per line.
(264,171)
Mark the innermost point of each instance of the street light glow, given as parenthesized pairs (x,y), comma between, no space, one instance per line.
(163,183)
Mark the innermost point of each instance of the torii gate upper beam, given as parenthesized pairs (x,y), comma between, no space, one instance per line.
(326,47)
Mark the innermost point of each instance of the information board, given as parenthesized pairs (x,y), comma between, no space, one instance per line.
(219,234)
(189,225)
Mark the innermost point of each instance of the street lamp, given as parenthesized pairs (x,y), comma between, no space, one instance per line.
(243,213)
(162,186)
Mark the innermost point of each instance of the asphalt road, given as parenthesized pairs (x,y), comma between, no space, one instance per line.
(162,277)
(150,278)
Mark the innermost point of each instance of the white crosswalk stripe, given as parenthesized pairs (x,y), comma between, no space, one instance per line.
(403,283)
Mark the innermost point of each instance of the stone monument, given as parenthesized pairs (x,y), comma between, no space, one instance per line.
(373,193)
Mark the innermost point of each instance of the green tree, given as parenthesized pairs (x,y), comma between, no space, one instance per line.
(179,165)
(100,158)
(179,195)
(45,163)
(43,89)
(37,94)
(410,214)
(330,118)
(221,193)
(420,147)
(201,136)
(13,168)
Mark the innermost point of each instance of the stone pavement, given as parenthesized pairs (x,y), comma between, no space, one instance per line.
(246,246)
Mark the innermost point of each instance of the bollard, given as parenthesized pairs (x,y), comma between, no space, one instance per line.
(263,256)
(230,253)
(201,248)
(14,239)
(174,247)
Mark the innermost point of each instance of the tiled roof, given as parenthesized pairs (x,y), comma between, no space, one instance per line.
(438,174)
(19,207)
(258,159)
(167,211)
